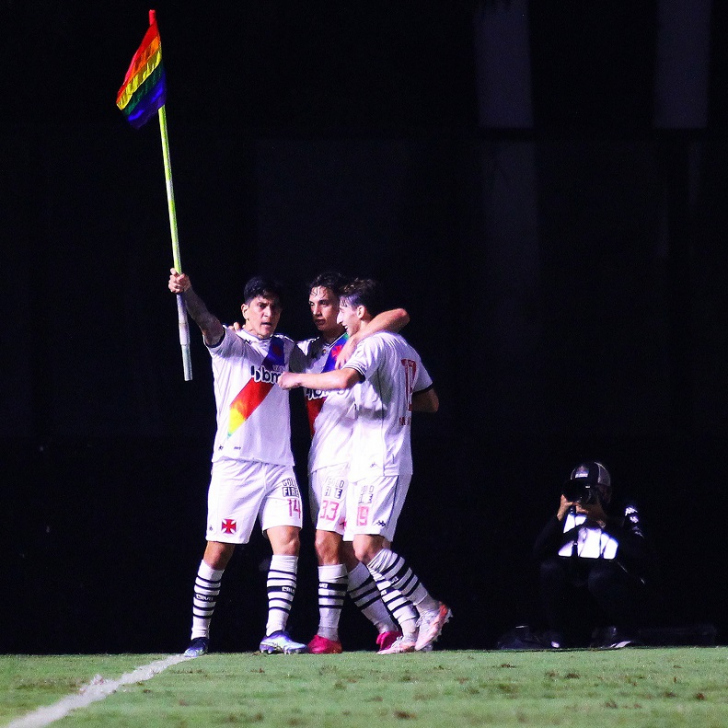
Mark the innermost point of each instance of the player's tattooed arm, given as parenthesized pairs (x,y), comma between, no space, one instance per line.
(212,329)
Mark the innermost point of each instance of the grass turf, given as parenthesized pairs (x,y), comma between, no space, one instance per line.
(635,687)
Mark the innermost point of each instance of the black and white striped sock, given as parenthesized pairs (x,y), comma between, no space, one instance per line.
(281,590)
(207,589)
(400,588)
(331,593)
(365,594)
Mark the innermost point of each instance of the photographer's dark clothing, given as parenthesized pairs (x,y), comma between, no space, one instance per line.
(592,576)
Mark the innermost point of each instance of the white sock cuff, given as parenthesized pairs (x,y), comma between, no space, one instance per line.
(207,572)
(280,562)
(331,572)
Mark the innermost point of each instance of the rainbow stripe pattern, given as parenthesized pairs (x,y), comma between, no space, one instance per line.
(250,397)
(314,406)
(144,90)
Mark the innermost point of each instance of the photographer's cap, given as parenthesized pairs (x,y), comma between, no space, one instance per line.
(593,473)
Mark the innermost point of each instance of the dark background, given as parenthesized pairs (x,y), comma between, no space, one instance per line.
(540,184)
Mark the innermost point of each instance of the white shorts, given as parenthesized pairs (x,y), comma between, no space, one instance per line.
(373,506)
(242,491)
(327,498)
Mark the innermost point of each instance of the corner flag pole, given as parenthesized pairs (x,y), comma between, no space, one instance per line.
(143,94)
(184,328)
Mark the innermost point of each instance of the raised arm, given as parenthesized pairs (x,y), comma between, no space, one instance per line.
(393,320)
(212,329)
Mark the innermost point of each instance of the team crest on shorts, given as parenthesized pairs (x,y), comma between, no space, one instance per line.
(229,525)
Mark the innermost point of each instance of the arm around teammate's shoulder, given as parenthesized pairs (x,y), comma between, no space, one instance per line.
(393,320)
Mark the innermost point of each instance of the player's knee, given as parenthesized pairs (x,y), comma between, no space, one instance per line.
(217,554)
(364,553)
(284,540)
(366,547)
(327,547)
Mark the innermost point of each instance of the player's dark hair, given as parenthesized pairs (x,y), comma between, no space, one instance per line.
(364,292)
(260,286)
(331,279)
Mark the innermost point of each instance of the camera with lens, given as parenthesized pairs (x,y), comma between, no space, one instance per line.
(581,492)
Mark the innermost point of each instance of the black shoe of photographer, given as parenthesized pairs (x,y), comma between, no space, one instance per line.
(612,638)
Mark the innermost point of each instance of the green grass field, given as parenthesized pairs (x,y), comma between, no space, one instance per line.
(632,687)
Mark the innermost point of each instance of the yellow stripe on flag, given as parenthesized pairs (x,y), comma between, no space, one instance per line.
(151,62)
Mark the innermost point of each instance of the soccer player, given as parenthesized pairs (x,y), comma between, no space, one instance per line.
(252,463)
(389,383)
(331,418)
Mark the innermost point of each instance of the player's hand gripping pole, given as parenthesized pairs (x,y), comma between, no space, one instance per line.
(184,328)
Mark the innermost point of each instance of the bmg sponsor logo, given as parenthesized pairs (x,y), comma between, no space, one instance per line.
(267,376)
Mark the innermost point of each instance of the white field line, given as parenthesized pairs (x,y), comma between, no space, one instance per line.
(98,689)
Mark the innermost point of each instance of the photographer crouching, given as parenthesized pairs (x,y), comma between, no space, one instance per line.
(594,565)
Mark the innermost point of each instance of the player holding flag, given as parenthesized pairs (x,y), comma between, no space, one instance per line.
(252,463)
(142,95)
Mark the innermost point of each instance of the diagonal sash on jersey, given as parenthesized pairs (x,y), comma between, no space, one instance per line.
(253,393)
(313,406)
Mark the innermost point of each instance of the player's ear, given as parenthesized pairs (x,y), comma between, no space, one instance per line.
(244,309)
(360,311)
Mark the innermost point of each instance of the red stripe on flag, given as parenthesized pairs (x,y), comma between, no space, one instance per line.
(150,47)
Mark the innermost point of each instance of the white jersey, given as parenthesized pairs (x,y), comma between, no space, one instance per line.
(330,414)
(253,416)
(392,372)
(591,543)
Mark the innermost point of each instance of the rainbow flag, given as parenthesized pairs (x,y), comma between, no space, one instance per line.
(144,90)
